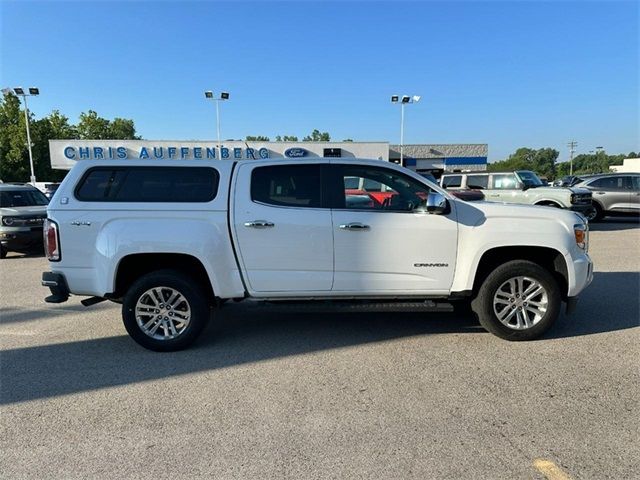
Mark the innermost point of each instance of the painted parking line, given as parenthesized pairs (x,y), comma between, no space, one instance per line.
(550,469)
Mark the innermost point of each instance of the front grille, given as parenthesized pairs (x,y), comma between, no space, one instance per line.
(582,199)
(35,220)
(24,221)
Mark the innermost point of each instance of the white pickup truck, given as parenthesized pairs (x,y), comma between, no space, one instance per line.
(172,241)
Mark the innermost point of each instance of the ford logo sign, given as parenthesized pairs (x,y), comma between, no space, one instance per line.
(295,152)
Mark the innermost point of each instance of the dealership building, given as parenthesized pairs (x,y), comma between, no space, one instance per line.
(422,158)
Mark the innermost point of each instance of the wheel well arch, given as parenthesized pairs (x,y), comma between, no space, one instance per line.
(131,267)
(550,259)
(597,203)
(548,202)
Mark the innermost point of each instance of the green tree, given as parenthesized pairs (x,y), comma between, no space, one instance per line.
(93,127)
(286,138)
(122,129)
(61,129)
(14,155)
(257,138)
(317,136)
(541,161)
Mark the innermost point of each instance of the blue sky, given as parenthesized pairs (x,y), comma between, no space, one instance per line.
(509,74)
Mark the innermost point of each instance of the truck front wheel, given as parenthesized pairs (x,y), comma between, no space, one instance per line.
(165,311)
(519,300)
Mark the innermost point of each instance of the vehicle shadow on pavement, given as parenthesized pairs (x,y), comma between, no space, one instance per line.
(239,335)
(18,256)
(17,315)
(610,303)
(615,224)
(243,334)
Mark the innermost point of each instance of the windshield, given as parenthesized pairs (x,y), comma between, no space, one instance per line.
(22,198)
(529,179)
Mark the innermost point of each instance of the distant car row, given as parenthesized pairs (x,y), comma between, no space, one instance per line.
(613,193)
(594,196)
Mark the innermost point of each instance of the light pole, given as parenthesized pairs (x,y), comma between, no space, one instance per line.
(404,100)
(223,96)
(572,149)
(33,92)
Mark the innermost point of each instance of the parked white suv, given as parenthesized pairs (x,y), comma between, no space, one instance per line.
(172,241)
(520,186)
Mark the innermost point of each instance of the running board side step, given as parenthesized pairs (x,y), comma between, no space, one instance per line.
(87,302)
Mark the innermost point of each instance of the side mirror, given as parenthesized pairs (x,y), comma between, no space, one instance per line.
(437,204)
(521,186)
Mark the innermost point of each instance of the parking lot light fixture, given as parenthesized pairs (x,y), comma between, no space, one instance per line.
(33,91)
(209,95)
(404,100)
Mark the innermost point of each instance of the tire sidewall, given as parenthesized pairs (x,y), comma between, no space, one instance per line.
(200,311)
(483,303)
(599,213)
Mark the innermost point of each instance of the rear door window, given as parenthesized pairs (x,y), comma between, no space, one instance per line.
(148,184)
(452,181)
(478,182)
(611,183)
(287,185)
(504,181)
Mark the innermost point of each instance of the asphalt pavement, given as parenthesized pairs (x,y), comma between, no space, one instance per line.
(278,393)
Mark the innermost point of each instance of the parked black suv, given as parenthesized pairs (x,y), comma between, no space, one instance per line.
(23,209)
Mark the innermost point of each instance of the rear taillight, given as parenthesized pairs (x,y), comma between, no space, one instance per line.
(51,240)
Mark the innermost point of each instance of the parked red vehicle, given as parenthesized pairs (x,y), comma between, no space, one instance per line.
(368,193)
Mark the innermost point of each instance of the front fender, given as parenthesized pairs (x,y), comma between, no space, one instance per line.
(495,231)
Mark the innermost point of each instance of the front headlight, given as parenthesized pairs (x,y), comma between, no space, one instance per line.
(573,198)
(8,221)
(581,233)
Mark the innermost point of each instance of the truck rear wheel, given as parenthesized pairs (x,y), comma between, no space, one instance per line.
(164,311)
(519,300)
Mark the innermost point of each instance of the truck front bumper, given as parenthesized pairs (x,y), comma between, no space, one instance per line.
(582,208)
(22,240)
(57,285)
(582,277)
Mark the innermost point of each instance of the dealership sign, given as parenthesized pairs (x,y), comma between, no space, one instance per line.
(296,152)
(76,152)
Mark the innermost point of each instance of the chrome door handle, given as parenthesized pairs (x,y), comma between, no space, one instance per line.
(259,224)
(494,195)
(600,193)
(354,226)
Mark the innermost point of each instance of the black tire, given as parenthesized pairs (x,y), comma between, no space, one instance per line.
(3,252)
(483,303)
(595,214)
(196,301)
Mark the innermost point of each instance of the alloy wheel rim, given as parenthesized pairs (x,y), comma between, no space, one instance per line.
(520,303)
(163,313)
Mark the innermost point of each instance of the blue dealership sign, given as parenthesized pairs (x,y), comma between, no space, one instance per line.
(296,152)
